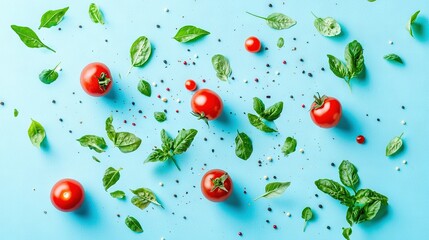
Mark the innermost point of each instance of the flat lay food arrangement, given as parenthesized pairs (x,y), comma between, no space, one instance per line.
(214,119)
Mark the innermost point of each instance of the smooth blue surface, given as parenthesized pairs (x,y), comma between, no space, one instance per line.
(27,173)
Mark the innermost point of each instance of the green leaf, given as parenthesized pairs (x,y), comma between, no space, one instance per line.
(348,231)
(259,124)
(127,142)
(140,51)
(183,141)
(335,190)
(338,68)
(48,76)
(243,146)
(289,146)
(371,210)
(393,57)
(394,146)
(160,116)
(111,176)
(307,215)
(274,189)
(258,105)
(118,194)
(328,26)
(190,33)
(93,142)
(273,112)
(143,197)
(133,224)
(221,65)
(36,132)
(167,141)
(95,14)
(354,58)
(110,129)
(29,37)
(280,42)
(52,17)
(15,112)
(277,21)
(144,88)
(95,159)
(411,22)
(157,156)
(365,196)
(348,174)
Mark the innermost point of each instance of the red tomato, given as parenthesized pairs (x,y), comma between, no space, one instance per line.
(216,185)
(67,195)
(206,104)
(96,79)
(360,139)
(252,44)
(190,85)
(325,111)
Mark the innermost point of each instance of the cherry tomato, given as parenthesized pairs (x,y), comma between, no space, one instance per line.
(206,104)
(96,79)
(67,195)
(216,185)
(325,111)
(190,85)
(252,44)
(360,139)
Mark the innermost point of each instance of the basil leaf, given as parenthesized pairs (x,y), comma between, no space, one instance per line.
(371,210)
(365,196)
(258,105)
(348,231)
(348,174)
(394,146)
(273,112)
(274,189)
(338,68)
(48,76)
(354,58)
(167,141)
(110,129)
(393,57)
(118,194)
(127,142)
(133,224)
(52,18)
(111,176)
(243,146)
(145,88)
(335,190)
(36,132)
(289,146)
(183,140)
(140,51)
(411,22)
(259,124)
(160,116)
(143,197)
(95,159)
(190,33)
(354,214)
(29,37)
(93,142)
(277,21)
(328,26)
(280,42)
(307,215)
(157,156)
(15,112)
(221,66)
(95,14)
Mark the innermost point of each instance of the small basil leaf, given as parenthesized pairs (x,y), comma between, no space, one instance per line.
(157,156)
(52,17)
(190,33)
(111,176)
(36,132)
(144,88)
(29,37)
(393,57)
(95,14)
(307,215)
(160,116)
(140,51)
(348,174)
(274,189)
(110,129)
(259,124)
(354,58)
(95,159)
(273,112)
(133,224)
(167,141)
(15,112)
(49,76)
(394,146)
(183,141)
(280,21)
(143,197)
(411,22)
(243,146)
(334,189)
(258,105)
(338,68)
(221,66)
(347,231)
(280,42)
(127,142)
(289,146)
(93,142)
(118,194)
(328,26)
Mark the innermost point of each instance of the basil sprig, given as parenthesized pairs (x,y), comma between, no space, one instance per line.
(289,146)
(393,58)
(277,21)
(328,26)
(140,52)
(307,215)
(36,133)
(95,14)
(190,33)
(243,146)
(111,177)
(411,21)
(133,224)
(221,66)
(172,147)
(394,146)
(125,141)
(269,114)
(29,37)
(93,142)
(49,76)
(274,189)
(143,197)
(52,18)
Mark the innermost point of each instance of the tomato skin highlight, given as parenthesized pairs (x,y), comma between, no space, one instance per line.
(67,195)
(207,103)
(90,79)
(252,44)
(190,85)
(217,195)
(328,113)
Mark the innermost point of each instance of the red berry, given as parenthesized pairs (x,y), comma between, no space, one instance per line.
(275,226)
(252,44)
(190,85)
(360,139)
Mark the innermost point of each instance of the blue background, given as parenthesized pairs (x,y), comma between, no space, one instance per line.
(27,173)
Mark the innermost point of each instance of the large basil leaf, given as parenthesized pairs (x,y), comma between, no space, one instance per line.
(348,174)
(95,14)
(143,197)
(221,65)
(289,146)
(36,132)
(274,189)
(394,146)
(190,33)
(259,124)
(338,68)
(273,112)
(133,224)
(111,176)
(243,146)
(127,142)
(354,58)
(277,21)
(258,105)
(183,140)
(29,37)
(140,51)
(95,143)
(52,17)
(335,190)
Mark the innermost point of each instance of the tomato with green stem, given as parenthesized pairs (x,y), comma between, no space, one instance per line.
(216,185)
(67,195)
(252,44)
(325,111)
(206,105)
(96,79)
